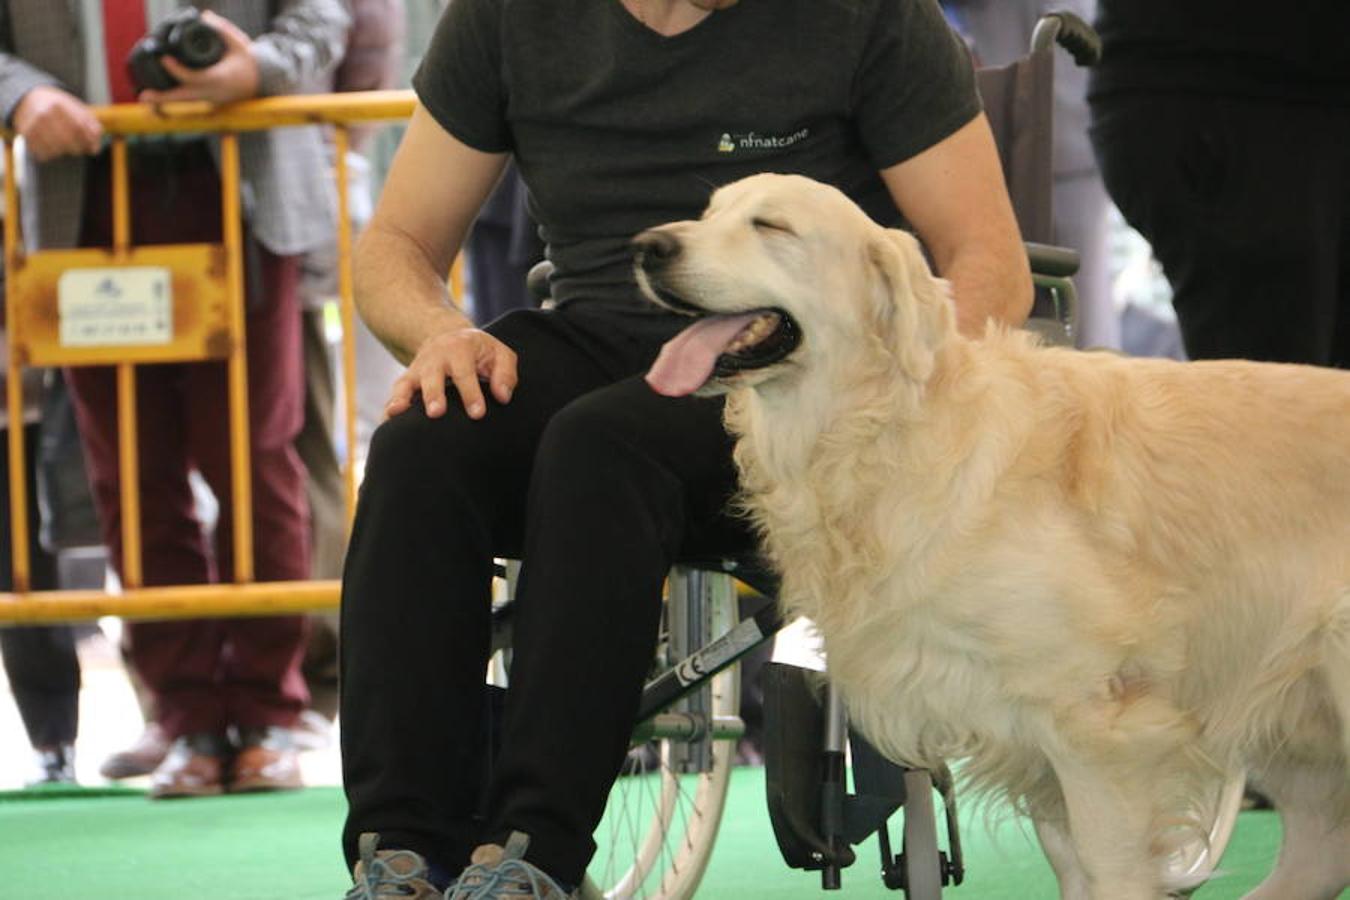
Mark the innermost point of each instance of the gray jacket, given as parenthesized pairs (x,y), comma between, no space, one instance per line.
(287,193)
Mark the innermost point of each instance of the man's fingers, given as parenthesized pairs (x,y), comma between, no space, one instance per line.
(91,131)
(40,148)
(465,376)
(181,94)
(502,389)
(461,358)
(400,395)
(58,136)
(86,132)
(53,124)
(184,74)
(190,84)
(433,394)
(235,38)
(502,376)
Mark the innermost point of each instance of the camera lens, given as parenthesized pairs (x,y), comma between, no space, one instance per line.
(182,35)
(198,45)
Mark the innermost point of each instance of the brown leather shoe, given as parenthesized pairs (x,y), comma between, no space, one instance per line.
(141,758)
(194,767)
(267,761)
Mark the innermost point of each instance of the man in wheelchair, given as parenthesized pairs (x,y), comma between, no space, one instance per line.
(536,437)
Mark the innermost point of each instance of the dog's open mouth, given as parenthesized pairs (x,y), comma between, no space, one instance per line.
(718,346)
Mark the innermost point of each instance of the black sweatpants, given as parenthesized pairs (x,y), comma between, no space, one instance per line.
(598,484)
(1247,206)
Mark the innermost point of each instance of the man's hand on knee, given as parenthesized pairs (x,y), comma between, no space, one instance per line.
(464,357)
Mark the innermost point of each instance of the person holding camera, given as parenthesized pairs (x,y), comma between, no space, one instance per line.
(225,691)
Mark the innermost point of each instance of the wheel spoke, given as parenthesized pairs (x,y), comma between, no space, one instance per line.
(659,825)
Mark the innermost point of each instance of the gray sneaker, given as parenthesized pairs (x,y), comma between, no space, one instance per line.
(500,873)
(389,874)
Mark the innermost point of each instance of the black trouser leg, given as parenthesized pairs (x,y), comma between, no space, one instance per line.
(622,477)
(44,674)
(40,661)
(439,499)
(1245,204)
(622,482)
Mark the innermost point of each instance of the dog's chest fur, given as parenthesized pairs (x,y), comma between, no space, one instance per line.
(931,664)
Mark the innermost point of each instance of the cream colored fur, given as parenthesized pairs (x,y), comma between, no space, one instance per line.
(1107,583)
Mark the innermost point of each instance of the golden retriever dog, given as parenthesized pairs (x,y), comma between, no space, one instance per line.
(1108,584)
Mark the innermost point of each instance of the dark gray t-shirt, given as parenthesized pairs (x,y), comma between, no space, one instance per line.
(617,128)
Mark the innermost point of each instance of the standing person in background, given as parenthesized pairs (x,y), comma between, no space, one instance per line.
(40,660)
(226,691)
(372,61)
(1000,32)
(621,114)
(1222,128)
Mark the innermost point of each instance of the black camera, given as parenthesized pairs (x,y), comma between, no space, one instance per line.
(183,35)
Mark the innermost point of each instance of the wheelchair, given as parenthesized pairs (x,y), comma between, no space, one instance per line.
(662,818)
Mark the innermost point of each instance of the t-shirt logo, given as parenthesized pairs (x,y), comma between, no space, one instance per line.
(730,143)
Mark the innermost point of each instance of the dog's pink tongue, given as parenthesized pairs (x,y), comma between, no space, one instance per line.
(686,361)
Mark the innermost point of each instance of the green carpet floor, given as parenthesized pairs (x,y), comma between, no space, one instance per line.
(284,847)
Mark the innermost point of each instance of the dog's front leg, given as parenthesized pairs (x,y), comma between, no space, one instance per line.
(1059,849)
(1110,816)
(1314,861)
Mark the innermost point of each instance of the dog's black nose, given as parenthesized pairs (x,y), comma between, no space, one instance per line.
(656,247)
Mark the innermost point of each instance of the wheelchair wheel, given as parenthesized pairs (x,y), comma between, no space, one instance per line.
(1192,863)
(659,827)
(921,857)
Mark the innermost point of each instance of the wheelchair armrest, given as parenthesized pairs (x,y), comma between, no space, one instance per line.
(1054,314)
(1050,261)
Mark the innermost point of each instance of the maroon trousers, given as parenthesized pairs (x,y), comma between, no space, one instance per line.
(205,674)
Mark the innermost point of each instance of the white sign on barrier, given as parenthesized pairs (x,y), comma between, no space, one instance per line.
(107,307)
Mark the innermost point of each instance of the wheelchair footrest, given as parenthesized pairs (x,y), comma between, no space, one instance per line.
(879,787)
(815,819)
(795,769)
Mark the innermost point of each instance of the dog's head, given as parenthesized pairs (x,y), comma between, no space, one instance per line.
(784,274)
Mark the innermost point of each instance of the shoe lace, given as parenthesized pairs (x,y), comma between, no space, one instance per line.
(510,874)
(381,876)
(508,877)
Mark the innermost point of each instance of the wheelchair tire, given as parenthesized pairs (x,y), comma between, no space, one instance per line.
(1196,860)
(922,859)
(660,824)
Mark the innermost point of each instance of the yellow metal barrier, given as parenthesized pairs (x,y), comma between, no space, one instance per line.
(206,285)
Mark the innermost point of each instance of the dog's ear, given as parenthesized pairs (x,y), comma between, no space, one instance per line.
(913,307)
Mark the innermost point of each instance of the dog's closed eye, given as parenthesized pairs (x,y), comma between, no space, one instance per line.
(771,225)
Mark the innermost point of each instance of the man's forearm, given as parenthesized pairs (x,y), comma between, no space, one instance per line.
(401,292)
(990,285)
